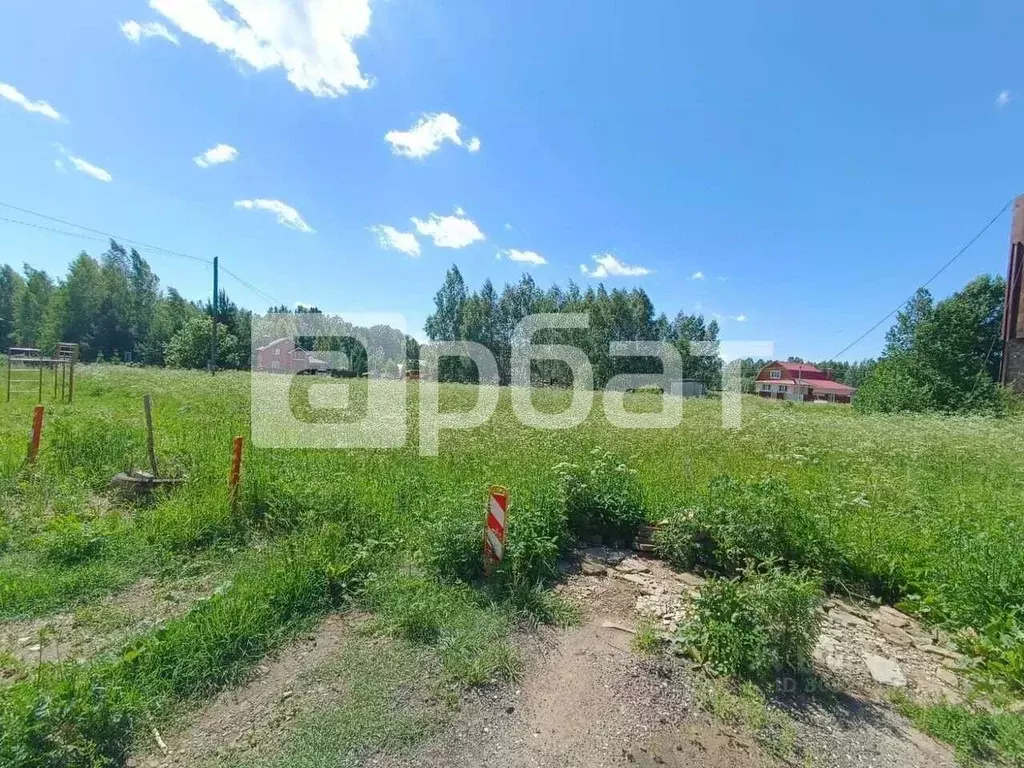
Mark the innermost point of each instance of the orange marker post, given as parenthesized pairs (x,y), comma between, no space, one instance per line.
(236,469)
(494,533)
(37,433)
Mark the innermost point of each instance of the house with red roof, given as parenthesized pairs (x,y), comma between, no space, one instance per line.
(285,356)
(800,381)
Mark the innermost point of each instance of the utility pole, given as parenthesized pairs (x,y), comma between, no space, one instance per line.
(216,300)
(1011,370)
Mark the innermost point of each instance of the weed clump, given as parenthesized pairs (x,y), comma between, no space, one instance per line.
(738,522)
(65,717)
(69,540)
(603,497)
(977,737)
(750,627)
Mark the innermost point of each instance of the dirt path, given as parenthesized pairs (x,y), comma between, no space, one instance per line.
(586,698)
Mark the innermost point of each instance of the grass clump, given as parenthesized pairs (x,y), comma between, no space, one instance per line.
(744,705)
(603,497)
(977,737)
(68,717)
(751,627)
(468,631)
(738,522)
(69,540)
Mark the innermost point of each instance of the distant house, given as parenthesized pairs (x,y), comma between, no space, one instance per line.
(285,355)
(688,388)
(800,381)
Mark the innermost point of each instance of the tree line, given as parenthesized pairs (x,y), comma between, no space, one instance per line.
(114,308)
(489,317)
(941,355)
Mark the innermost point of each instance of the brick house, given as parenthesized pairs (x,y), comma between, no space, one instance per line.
(286,356)
(800,381)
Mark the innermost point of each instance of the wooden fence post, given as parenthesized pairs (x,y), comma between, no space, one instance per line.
(236,470)
(37,432)
(147,406)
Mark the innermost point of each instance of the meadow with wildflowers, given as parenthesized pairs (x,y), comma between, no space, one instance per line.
(922,511)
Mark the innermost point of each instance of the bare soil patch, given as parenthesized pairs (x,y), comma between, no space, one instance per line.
(586,698)
(105,625)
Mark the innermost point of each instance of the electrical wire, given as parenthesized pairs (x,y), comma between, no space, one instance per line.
(153,249)
(120,238)
(927,282)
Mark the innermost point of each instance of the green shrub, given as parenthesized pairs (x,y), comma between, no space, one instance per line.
(683,541)
(63,717)
(1001,645)
(535,535)
(750,627)
(452,545)
(765,522)
(68,540)
(602,496)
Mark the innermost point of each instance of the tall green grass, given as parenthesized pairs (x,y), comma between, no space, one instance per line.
(922,509)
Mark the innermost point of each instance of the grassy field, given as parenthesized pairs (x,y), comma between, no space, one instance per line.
(926,511)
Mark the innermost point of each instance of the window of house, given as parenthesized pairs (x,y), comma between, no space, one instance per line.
(274,365)
(277,350)
(775,374)
(783,388)
(766,387)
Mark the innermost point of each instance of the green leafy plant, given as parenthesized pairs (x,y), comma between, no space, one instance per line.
(977,737)
(68,540)
(749,627)
(762,522)
(603,497)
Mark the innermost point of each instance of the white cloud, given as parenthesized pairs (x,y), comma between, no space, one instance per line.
(11,93)
(222,153)
(1004,98)
(526,257)
(390,237)
(311,40)
(135,31)
(739,318)
(88,168)
(697,276)
(449,231)
(59,165)
(508,227)
(427,136)
(721,279)
(83,166)
(286,215)
(609,266)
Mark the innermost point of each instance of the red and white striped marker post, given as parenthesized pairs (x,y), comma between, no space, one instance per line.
(494,540)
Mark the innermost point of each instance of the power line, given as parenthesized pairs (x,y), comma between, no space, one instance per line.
(927,282)
(155,249)
(252,287)
(50,229)
(128,240)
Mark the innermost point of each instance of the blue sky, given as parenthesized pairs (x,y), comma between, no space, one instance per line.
(822,160)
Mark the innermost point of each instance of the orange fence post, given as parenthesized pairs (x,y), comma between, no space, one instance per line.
(37,433)
(236,469)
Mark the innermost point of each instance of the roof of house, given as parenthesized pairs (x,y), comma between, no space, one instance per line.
(799,370)
(827,385)
(272,343)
